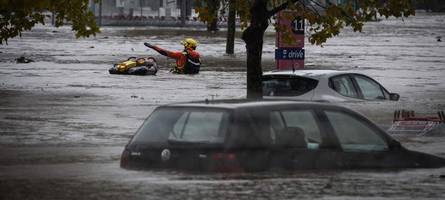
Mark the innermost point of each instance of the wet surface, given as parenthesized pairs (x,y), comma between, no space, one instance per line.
(92,181)
(64,120)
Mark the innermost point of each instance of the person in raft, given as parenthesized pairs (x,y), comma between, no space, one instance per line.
(187,60)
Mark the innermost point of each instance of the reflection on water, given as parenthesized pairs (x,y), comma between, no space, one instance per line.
(108,181)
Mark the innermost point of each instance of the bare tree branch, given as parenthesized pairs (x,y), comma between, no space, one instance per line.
(314,9)
(324,7)
(318,4)
(281,7)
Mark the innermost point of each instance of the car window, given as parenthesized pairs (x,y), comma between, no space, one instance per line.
(202,126)
(370,89)
(251,130)
(297,122)
(287,85)
(355,135)
(183,124)
(179,125)
(344,86)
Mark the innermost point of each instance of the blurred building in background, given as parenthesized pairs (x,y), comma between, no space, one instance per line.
(181,12)
(143,12)
(142,8)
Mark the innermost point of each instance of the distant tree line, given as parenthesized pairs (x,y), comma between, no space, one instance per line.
(430,5)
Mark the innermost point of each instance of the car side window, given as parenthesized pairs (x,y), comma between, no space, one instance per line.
(179,126)
(295,126)
(344,86)
(353,134)
(370,89)
(200,126)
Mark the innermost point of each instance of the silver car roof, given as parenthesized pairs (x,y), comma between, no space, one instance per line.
(315,74)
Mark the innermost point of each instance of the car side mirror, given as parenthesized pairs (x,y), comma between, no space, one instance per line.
(394,96)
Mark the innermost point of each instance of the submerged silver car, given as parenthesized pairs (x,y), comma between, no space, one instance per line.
(323,85)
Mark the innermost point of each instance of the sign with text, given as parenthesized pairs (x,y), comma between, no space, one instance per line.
(289,54)
(289,41)
(290,30)
(297,26)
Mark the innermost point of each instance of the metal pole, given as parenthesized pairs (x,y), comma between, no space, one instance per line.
(183,11)
(231,28)
(140,5)
(100,13)
(53,21)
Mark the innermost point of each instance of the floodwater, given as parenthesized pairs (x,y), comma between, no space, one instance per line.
(64,120)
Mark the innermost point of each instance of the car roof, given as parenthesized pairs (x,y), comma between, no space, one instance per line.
(249,104)
(309,73)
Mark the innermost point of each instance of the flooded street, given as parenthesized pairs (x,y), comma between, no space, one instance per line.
(64,120)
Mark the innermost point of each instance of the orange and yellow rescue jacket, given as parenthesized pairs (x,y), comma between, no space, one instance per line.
(179,56)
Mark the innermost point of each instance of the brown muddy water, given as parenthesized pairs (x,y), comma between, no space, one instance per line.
(64,120)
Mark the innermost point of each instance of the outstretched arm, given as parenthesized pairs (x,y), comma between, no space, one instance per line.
(164,52)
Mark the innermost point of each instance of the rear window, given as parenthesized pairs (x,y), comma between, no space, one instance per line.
(187,125)
(287,85)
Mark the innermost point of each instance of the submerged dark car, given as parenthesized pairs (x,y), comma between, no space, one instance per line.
(238,136)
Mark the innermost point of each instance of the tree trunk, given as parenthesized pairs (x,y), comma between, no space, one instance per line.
(183,12)
(253,37)
(213,25)
(213,9)
(100,13)
(230,45)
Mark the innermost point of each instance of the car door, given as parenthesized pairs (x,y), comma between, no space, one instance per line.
(300,140)
(344,87)
(276,139)
(362,144)
(369,89)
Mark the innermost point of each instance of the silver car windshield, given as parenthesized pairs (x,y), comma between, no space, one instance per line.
(185,125)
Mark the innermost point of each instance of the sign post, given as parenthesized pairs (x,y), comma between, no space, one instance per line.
(290,48)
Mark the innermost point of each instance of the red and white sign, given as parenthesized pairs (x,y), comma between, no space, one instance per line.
(290,36)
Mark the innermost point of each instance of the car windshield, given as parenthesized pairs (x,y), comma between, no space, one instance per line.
(287,85)
(183,125)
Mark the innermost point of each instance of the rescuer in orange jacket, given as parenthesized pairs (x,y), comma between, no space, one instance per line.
(187,61)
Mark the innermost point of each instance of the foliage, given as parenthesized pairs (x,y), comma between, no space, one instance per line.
(336,17)
(324,20)
(17,16)
(206,10)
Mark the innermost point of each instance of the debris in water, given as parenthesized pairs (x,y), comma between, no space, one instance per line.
(439,38)
(22,59)
(405,121)
(328,186)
